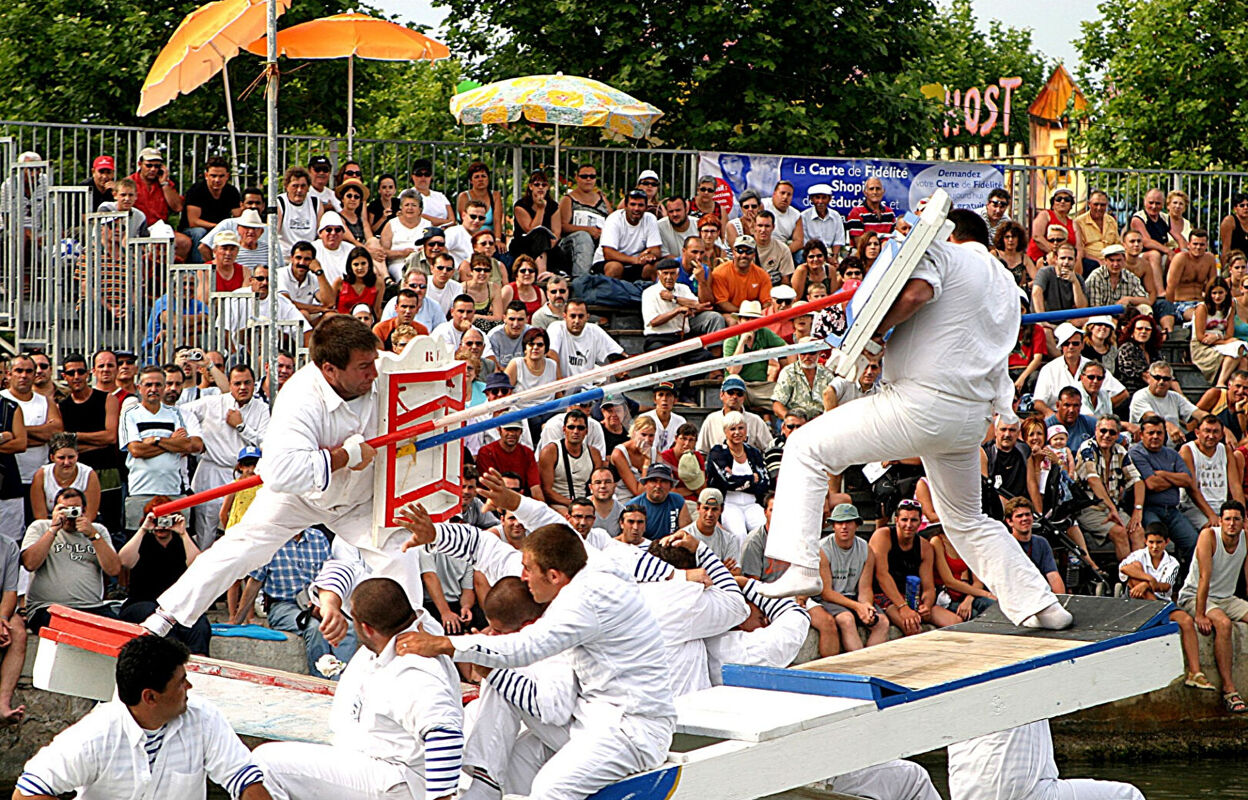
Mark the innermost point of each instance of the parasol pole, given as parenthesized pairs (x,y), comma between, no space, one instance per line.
(229,115)
(275,253)
(558,189)
(350,103)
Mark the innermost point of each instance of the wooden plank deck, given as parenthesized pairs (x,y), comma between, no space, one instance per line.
(936,657)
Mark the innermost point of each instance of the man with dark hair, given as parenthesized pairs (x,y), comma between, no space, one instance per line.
(157,439)
(68,558)
(153,740)
(509,455)
(994,212)
(617,655)
(666,511)
(773,254)
(630,243)
(1020,515)
(95,416)
(300,282)
(320,427)
(578,344)
(507,340)
(406,304)
(1079,427)
(227,423)
(565,466)
(396,724)
(1164,472)
(210,201)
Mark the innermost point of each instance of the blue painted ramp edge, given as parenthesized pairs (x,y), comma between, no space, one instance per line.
(885,693)
(657,785)
(826,684)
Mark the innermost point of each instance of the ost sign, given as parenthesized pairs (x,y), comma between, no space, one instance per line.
(978,111)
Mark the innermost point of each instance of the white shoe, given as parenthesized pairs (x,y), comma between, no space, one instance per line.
(1052,618)
(795,582)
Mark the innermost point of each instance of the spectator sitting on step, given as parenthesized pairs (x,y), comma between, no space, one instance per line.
(760,376)
(1209,460)
(630,243)
(631,459)
(1164,398)
(63,471)
(553,431)
(962,592)
(847,566)
(507,455)
(665,510)
(802,385)
(740,280)
(1150,574)
(905,583)
(578,344)
(732,396)
(157,555)
(672,313)
(1019,517)
(773,253)
(688,465)
(1208,593)
(1003,461)
(566,465)
(737,469)
(1230,406)
(68,558)
(1097,401)
(285,580)
(1105,472)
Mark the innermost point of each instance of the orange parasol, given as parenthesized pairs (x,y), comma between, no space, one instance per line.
(350,35)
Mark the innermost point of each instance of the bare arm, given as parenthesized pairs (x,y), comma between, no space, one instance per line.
(40,434)
(251,589)
(916,294)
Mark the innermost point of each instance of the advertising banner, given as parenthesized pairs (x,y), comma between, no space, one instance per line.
(905,182)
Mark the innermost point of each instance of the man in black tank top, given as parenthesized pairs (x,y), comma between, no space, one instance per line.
(568,464)
(94,415)
(1004,462)
(902,555)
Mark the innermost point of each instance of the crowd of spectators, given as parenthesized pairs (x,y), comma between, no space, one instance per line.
(1105,420)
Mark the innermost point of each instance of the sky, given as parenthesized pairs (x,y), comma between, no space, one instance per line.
(1054,23)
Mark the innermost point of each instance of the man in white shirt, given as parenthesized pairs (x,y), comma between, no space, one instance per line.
(580,345)
(298,216)
(331,252)
(40,417)
(322,172)
(396,723)
(789,224)
(675,227)
(666,421)
(625,714)
(227,423)
(243,308)
(1064,371)
(152,740)
(823,223)
(299,282)
(1097,401)
(459,327)
(328,411)
(953,379)
(157,439)
(459,237)
(671,311)
(630,243)
(732,396)
(443,289)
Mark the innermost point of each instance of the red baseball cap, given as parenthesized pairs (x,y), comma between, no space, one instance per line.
(103,162)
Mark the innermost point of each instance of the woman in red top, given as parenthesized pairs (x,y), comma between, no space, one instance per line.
(1061,204)
(968,597)
(359,285)
(523,288)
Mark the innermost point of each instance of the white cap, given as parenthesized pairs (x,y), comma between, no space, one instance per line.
(647,173)
(225,239)
(819,188)
(783,292)
(331,219)
(1101,319)
(1063,332)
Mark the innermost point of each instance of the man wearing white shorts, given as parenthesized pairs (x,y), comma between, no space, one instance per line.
(319,425)
(953,326)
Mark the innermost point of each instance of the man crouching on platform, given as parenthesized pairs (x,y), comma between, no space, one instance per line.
(624,716)
(396,721)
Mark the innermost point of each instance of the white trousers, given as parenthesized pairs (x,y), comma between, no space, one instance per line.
(271,520)
(1018,764)
(899,422)
(892,780)
(492,730)
(206,517)
(299,771)
(741,519)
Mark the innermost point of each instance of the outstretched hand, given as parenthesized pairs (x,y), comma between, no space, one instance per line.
(492,487)
(417,521)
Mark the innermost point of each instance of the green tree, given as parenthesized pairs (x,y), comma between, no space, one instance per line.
(959,57)
(1167,79)
(758,76)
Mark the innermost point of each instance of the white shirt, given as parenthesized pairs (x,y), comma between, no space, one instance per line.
(830,229)
(1054,376)
(448,333)
(326,197)
(616,649)
(653,304)
(34,412)
(578,354)
(309,417)
(458,242)
(847,390)
(221,440)
(102,757)
(1165,572)
(244,307)
(259,257)
(430,314)
(628,239)
(299,292)
(1173,407)
(436,205)
(160,474)
(445,296)
(552,431)
(333,262)
(775,645)
(786,221)
(972,320)
(1095,406)
(384,705)
(664,435)
(298,222)
(721,542)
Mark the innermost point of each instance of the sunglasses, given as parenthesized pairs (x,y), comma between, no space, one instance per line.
(539,184)
(74,372)
(576,427)
(444,267)
(422,173)
(436,243)
(125,362)
(332,229)
(1160,377)
(526,272)
(1055,241)
(39,366)
(259,279)
(478,217)
(320,169)
(735,393)
(909,503)
(750,207)
(556,291)
(648,183)
(352,173)
(1106,432)
(999,203)
(1072,343)
(706,190)
(1143,328)
(1063,199)
(853,273)
(590,176)
(1095,377)
(419,286)
(743,250)
(481,270)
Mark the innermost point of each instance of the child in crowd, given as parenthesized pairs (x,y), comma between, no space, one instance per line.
(232,509)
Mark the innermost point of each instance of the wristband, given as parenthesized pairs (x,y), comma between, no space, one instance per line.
(352,448)
(1139,508)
